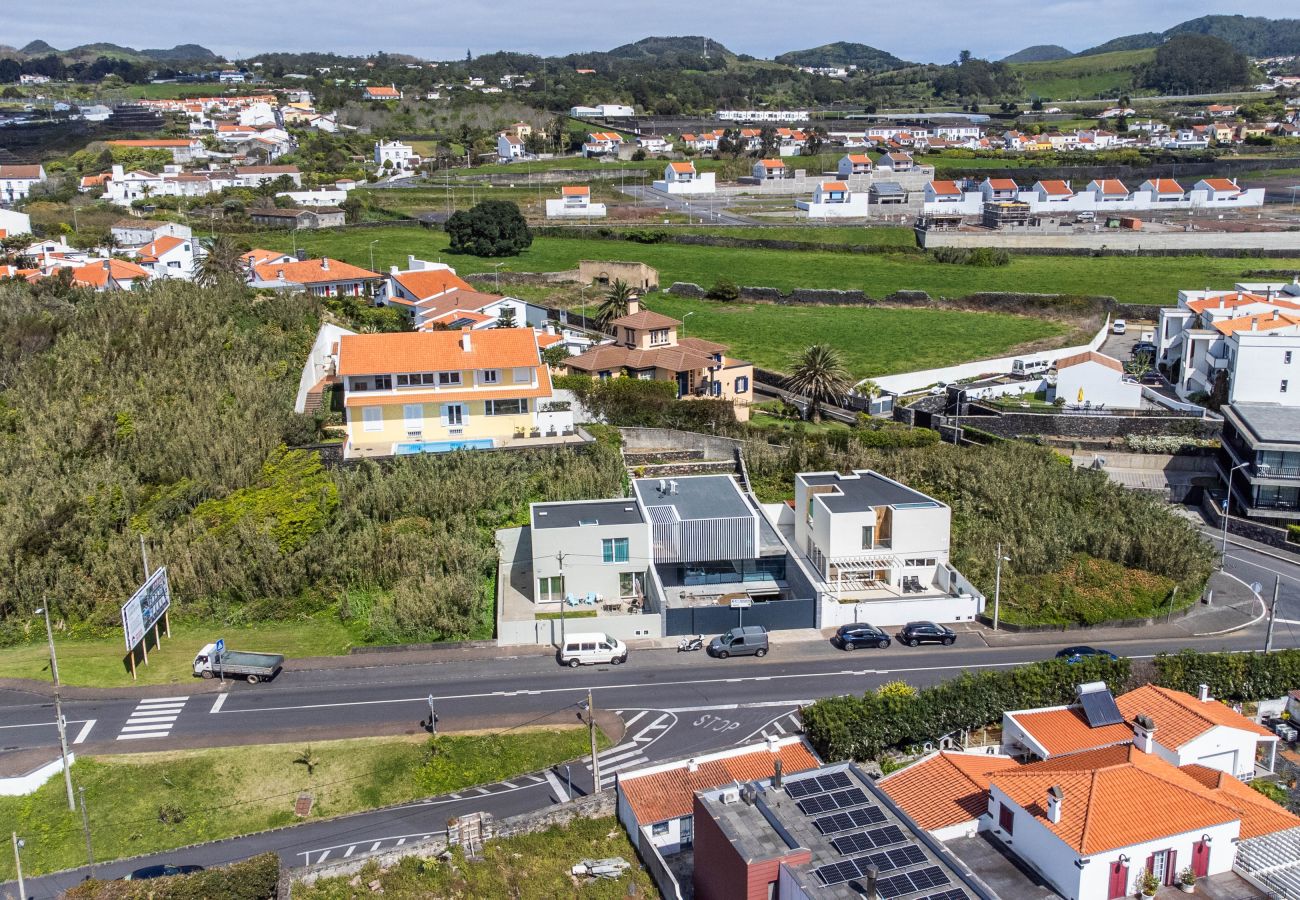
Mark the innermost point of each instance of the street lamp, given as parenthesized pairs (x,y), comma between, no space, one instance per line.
(58,708)
(18,863)
(372,254)
(997,587)
(684,318)
(1227,505)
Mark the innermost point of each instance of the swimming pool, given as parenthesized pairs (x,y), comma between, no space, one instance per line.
(406,449)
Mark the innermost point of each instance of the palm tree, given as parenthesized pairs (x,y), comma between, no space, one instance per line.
(615,303)
(221,261)
(818,375)
(308,758)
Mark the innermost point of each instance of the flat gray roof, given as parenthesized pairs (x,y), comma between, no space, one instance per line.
(697,497)
(587,512)
(1269,423)
(866,490)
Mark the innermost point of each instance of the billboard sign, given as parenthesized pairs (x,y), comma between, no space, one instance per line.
(146,607)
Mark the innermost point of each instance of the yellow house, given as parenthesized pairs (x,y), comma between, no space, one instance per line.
(646,346)
(432,391)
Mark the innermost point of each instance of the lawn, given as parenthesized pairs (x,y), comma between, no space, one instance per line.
(210,794)
(872,341)
(1130,279)
(102,662)
(1102,74)
(524,867)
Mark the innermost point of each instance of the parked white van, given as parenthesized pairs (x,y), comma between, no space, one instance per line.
(1027,367)
(592,649)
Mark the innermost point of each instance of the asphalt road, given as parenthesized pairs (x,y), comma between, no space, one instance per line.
(706,209)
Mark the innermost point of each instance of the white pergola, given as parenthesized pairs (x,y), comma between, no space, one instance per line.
(867,562)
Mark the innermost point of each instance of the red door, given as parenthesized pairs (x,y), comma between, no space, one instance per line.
(1201,859)
(1118,881)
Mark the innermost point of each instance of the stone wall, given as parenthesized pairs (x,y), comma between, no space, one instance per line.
(714,447)
(1211,504)
(678,470)
(655,457)
(1017,424)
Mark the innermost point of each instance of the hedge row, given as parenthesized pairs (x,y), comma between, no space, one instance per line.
(252,879)
(861,727)
(1231,676)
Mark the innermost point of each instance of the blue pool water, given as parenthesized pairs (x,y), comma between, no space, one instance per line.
(443,446)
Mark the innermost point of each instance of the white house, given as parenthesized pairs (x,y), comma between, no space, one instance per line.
(1218,188)
(654,144)
(138,232)
(16,182)
(584,547)
(832,200)
(575,201)
(771,170)
(600,143)
(1053,192)
(896,162)
(12,223)
(395,155)
(1095,380)
(510,147)
(168,257)
(1162,190)
(997,189)
(681,178)
(854,164)
(938,192)
(1107,190)
(877,549)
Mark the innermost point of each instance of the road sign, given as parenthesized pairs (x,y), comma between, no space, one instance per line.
(742,602)
(221,645)
(1256,587)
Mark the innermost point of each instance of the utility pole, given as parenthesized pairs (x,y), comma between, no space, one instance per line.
(591,730)
(1272,614)
(58,708)
(563,595)
(144,557)
(997,587)
(85,824)
(18,864)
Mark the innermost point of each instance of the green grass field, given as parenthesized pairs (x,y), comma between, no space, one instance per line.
(1130,279)
(1104,74)
(872,341)
(211,794)
(171,91)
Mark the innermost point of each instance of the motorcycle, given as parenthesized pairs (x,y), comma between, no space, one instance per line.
(687,644)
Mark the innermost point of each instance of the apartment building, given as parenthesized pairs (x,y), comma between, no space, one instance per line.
(433,391)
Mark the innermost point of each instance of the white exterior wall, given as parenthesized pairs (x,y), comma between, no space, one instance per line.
(561,208)
(701,183)
(893,612)
(854,207)
(1052,858)
(21,785)
(1217,742)
(318,197)
(1100,385)
(972,202)
(584,571)
(1260,367)
(12,223)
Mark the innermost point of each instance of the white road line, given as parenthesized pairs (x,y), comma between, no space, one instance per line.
(350,851)
(777,726)
(147,734)
(616,753)
(631,763)
(84,732)
(375,846)
(154,726)
(218,703)
(159,707)
(535,780)
(138,720)
(632,721)
(323,857)
(482,790)
(455,796)
(560,793)
(658,723)
(164,700)
(400,841)
(508,785)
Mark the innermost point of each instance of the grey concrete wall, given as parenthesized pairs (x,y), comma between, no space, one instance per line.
(714,447)
(1112,239)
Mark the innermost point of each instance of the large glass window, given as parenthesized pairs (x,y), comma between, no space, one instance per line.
(868,537)
(514,407)
(448,379)
(614,550)
(550,590)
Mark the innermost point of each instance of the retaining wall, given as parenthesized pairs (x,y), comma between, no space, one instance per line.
(1015,424)
(1112,242)
(714,447)
(1253,531)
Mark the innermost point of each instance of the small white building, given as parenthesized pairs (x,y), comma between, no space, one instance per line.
(1053,192)
(584,547)
(772,170)
(574,201)
(12,223)
(602,143)
(854,164)
(943,192)
(396,156)
(168,257)
(834,200)
(681,178)
(896,162)
(652,143)
(1094,380)
(1162,190)
(510,147)
(16,182)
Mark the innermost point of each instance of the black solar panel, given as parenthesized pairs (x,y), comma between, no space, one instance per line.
(954,894)
(1099,708)
(887,861)
(869,840)
(820,784)
(912,882)
(854,818)
(820,803)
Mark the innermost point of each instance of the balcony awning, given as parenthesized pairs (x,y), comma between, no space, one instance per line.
(869,562)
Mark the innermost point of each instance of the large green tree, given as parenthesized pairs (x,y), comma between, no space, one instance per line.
(1196,64)
(492,228)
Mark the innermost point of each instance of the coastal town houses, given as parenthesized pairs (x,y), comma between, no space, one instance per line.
(396,156)
(646,345)
(322,277)
(682,178)
(574,201)
(16,182)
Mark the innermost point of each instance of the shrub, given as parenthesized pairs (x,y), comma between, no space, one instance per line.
(492,228)
(724,289)
(952,255)
(1271,790)
(250,879)
(988,257)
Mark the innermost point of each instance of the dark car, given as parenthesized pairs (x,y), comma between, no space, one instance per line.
(914,633)
(1142,347)
(1075,654)
(161,871)
(860,634)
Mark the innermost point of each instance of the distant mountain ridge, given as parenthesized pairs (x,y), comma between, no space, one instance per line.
(179,53)
(1039,53)
(655,47)
(843,53)
(1252,35)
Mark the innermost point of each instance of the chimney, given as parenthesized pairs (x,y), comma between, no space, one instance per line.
(392,270)
(868,885)
(465,340)
(749,794)
(633,305)
(302,255)
(1203,693)
(772,743)
(1055,797)
(325,264)
(410,260)
(108,266)
(777,775)
(279,274)
(118,173)
(1144,731)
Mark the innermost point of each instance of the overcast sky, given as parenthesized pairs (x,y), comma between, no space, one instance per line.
(921,30)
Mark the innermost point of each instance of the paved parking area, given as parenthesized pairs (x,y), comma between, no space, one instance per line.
(1120,346)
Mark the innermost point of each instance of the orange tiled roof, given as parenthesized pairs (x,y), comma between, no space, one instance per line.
(669,794)
(1058,188)
(834,186)
(313,271)
(258,256)
(20,172)
(383,91)
(463,315)
(1181,717)
(433,351)
(1062,731)
(548,340)
(683,166)
(159,247)
(1003,184)
(1269,321)
(431,282)
(859,159)
(773,164)
(1220,184)
(645,318)
(1101,788)
(1224,301)
(1090,356)
(1259,815)
(1165,186)
(946,788)
(947,188)
(96,274)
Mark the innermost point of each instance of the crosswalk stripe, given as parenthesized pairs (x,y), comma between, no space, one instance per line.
(147,734)
(560,793)
(777,726)
(165,700)
(401,841)
(608,757)
(507,784)
(624,764)
(146,727)
(632,721)
(323,857)
(136,720)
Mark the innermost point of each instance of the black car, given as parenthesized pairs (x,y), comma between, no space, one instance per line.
(1076,654)
(914,633)
(161,871)
(860,634)
(1142,347)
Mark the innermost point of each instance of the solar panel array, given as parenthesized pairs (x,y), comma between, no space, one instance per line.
(885,861)
(854,818)
(869,840)
(1099,708)
(912,882)
(820,803)
(954,894)
(821,784)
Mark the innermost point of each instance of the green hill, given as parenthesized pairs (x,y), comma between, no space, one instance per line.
(1252,35)
(653,48)
(1082,77)
(1039,53)
(181,52)
(843,53)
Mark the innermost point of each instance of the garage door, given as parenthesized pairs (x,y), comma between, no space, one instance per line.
(1224,762)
